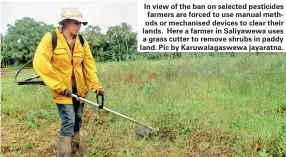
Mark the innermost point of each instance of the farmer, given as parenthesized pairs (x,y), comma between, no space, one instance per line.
(70,67)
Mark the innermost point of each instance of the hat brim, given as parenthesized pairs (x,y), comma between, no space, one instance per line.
(81,20)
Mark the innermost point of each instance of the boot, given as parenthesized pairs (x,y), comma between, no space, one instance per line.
(76,147)
(64,146)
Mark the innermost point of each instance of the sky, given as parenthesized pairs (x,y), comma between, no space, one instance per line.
(103,13)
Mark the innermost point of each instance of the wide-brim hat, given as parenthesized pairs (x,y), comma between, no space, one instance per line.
(72,13)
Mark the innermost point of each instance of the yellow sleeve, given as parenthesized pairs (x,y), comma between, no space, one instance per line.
(89,66)
(42,65)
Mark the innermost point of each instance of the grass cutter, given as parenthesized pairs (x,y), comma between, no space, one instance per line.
(143,130)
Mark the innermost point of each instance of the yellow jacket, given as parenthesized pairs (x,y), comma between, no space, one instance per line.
(55,68)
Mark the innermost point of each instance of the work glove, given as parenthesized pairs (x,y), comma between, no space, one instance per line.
(67,93)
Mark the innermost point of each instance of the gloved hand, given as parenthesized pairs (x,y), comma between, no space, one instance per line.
(100,91)
(67,93)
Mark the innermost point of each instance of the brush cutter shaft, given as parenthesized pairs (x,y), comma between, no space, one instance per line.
(27,81)
(36,76)
(107,109)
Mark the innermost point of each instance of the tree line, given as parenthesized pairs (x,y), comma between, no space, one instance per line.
(18,45)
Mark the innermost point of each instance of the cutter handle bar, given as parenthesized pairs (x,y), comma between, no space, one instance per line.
(107,109)
(27,81)
(102,100)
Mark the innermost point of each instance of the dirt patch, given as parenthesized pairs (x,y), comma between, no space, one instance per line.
(164,135)
(7,72)
(13,72)
(152,76)
(137,79)
(110,80)
(211,143)
(133,78)
(19,139)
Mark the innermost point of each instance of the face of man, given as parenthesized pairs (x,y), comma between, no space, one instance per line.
(73,27)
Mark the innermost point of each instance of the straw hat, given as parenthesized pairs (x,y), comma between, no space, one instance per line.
(72,13)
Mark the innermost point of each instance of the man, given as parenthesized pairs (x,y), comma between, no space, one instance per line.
(70,67)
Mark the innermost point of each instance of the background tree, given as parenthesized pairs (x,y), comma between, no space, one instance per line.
(22,39)
(19,44)
(121,40)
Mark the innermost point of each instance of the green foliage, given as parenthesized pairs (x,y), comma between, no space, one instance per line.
(28,145)
(40,119)
(98,152)
(94,37)
(21,40)
(2,47)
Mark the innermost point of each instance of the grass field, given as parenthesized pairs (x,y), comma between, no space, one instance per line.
(204,106)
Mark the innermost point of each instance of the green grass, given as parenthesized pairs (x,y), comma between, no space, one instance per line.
(204,106)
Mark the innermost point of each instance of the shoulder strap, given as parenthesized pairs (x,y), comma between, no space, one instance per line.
(54,39)
(81,39)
